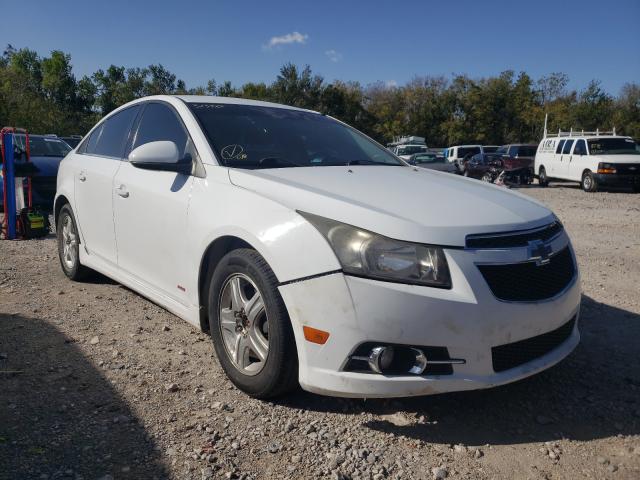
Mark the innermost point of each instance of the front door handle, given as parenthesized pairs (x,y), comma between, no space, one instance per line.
(122,191)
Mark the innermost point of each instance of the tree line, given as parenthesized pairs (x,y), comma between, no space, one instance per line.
(43,95)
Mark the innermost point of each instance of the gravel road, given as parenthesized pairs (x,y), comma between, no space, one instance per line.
(98,383)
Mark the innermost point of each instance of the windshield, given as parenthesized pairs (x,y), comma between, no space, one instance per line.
(44,146)
(248,136)
(612,146)
(411,149)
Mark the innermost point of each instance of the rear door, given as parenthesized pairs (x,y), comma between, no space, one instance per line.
(150,208)
(555,159)
(565,160)
(95,165)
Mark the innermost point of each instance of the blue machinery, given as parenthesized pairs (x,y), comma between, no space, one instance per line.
(10,219)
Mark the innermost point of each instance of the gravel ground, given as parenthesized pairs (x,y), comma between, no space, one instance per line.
(98,383)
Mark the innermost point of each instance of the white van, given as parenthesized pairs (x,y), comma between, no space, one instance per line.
(592,158)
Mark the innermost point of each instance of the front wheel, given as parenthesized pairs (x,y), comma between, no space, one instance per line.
(69,246)
(250,326)
(589,183)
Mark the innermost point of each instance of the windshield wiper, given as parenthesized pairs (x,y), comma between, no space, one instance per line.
(277,160)
(368,162)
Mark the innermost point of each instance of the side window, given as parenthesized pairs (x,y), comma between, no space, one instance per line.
(567,146)
(560,145)
(580,148)
(513,151)
(89,145)
(160,122)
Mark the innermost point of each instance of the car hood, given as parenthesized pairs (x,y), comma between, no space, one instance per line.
(404,203)
(618,158)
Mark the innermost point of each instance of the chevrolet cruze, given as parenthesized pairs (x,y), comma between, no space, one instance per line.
(314,256)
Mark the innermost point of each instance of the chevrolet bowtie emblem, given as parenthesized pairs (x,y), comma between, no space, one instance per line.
(540,252)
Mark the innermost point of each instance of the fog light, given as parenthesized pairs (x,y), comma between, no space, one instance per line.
(419,363)
(380,358)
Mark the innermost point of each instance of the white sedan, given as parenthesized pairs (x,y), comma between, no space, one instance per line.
(295,241)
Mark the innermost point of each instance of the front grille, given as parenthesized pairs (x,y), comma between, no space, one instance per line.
(529,282)
(515,354)
(513,239)
(628,168)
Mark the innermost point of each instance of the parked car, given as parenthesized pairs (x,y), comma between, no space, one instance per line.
(286,235)
(432,162)
(72,140)
(476,166)
(405,151)
(489,148)
(46,152)
(594,160)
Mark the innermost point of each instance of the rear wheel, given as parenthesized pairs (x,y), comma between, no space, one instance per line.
(69,246)
(543,181)
(589,182)
(250,327)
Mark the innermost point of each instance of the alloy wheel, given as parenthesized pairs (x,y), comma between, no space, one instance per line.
(244,324)
(69,242)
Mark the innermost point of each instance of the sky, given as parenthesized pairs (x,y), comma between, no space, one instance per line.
(365,41)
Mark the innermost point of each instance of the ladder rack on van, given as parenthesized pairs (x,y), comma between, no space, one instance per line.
(577,133)
(581,133)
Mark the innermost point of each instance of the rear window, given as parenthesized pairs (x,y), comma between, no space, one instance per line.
(464,151)
(567,146)
(526,151)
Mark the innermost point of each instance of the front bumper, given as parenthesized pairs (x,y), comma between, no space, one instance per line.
(618,180)
(468,320)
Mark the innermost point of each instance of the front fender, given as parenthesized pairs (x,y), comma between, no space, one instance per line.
(292,247)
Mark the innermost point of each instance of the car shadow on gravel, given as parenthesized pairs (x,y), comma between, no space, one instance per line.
(594,393)
(59,417)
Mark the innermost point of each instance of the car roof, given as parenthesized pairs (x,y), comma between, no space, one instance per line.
(230,101)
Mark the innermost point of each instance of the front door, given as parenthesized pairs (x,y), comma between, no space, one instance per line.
(150,208)
(578,160)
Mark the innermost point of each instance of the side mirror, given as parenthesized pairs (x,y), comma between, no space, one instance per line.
(162,155)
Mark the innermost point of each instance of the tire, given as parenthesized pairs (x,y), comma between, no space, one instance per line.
(589,183)
(256,347)
(543,181)
(68,236)
(487,177)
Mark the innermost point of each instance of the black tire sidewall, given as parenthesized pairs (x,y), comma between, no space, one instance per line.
(75,272)
(594,185)
(542,177)
(273,379)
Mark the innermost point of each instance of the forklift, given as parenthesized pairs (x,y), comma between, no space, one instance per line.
(20,219)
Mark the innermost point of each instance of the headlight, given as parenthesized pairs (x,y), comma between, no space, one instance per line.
(367,254)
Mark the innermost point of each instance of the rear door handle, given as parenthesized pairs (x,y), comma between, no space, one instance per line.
(82,177)
(122,191)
